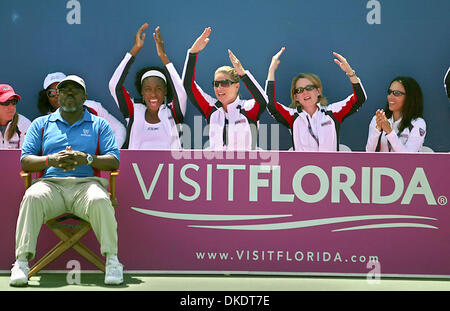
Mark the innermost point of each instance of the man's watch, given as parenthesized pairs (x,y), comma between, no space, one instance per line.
(89,159)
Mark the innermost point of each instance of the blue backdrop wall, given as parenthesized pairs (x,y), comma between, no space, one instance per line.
(381,39)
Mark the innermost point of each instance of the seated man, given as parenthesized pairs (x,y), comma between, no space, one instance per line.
(68,145)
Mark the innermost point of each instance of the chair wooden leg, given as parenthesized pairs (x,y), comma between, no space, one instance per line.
(41,263)
(68,239)
(89,255)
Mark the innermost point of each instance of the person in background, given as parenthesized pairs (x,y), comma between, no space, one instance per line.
(447,83)
(48,103)
(153,120)
(69,146)
(400,127)
(313,122)
(13,126)
(233,122)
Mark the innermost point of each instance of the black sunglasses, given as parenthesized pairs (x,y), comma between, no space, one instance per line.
(10,102)
(52,93)
(396,93)
(223,83)
(302,89)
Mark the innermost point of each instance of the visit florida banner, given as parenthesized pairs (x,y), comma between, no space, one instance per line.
(285,212)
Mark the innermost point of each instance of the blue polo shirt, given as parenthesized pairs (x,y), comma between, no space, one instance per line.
(51,133)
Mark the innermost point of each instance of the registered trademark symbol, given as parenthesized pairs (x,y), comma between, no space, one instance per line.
(442,200)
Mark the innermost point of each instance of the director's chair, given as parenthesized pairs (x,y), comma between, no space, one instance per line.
(70,239)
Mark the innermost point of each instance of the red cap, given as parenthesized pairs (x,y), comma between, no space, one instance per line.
(6,92)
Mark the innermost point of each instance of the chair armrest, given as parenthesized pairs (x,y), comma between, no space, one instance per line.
(27,178)
(112,187)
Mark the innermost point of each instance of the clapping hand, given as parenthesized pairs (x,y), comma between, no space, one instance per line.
(160,46)
(382,121)
(139,39)
(201,41)
(274,65)
(236,63)
(342,62)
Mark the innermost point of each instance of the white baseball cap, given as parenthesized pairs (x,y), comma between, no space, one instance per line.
(52,78)
(73,78)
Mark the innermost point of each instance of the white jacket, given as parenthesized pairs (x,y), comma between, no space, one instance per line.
(16,141)
(118,128)
(409,140)
(139,122)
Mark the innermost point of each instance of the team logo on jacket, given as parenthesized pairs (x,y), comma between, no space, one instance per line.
(421,131)
(326,123)
(86,133)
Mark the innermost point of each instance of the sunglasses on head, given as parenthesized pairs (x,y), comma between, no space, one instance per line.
(52,93)
(302,89)
(223,83)
(10,102)
(396,93)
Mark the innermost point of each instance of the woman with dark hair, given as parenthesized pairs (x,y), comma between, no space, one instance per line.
(153,119)
(48,103)
(313,122)
(13,126)
(400,127)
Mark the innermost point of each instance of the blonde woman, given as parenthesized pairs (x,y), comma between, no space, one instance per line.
(314,124)
(232,121)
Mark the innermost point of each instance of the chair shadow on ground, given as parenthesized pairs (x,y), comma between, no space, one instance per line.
(85,281)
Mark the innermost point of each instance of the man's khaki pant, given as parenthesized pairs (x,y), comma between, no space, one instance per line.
(48,198)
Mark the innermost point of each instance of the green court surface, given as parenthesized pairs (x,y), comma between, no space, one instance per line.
(172,282)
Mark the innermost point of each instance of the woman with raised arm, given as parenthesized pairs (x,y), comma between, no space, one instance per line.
(153,119)
(400,127)
(314,124)
(233,122)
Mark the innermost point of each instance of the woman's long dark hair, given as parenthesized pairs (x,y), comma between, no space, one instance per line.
(44,105)
(413,104)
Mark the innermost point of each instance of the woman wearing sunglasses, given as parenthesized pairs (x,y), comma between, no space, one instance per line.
(400,127)
(152,120)
(48,103)
(313,122)
(13,126)
(232,121)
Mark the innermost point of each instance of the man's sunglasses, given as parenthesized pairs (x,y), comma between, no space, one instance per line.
(302,89)
(10,102)
(223,83)
(396,93)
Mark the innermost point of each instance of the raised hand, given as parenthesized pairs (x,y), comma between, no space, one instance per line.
(236,64)
(160,46)
(274,65)
(139,39)
(345,66)
(201,41)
